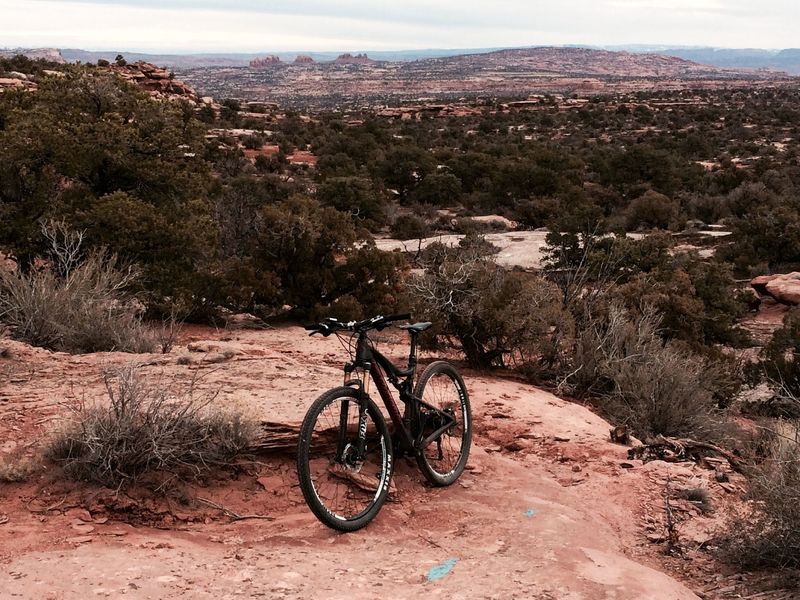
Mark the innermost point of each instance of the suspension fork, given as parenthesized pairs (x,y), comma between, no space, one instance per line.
(341,438)
(362,385)
(361,439)
(361,445)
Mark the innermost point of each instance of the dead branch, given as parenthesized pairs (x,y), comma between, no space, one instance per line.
(682,449)
(233,515)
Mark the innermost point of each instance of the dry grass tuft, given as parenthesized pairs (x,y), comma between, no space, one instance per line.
(145,429)
(641,381)
(86,311)
(768,534)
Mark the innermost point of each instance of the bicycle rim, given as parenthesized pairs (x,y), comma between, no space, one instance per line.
(345,486)
(443,391)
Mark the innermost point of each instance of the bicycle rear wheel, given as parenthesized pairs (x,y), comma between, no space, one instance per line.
(444,459)
(343,488)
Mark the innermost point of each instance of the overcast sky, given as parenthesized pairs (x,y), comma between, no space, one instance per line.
(318,25)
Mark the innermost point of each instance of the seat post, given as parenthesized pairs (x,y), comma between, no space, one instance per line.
(412,355)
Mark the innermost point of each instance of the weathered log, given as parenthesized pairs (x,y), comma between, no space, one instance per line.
(681,449)
(277,438)
(282,438)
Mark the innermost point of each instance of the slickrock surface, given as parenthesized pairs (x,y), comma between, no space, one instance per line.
(548,507)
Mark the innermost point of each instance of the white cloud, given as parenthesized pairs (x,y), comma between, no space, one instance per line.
(251,25)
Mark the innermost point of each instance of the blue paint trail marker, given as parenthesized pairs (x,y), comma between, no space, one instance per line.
(440,571)
(530,512)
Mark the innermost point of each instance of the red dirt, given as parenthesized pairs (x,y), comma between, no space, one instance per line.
(548,508)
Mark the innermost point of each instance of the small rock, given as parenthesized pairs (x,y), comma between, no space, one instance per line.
(620,435)
(559,438)
(700,538)
(85,516)
(244,321)
(202,347)
(517,445)
(82,527)
(81,539)
(721,476)
(728,488)
(576,468)
(216,358)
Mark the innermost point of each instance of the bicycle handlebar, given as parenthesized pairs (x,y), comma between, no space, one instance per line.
(331,325)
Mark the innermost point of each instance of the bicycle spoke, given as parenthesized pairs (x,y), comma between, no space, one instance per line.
(346,484)
(442,393)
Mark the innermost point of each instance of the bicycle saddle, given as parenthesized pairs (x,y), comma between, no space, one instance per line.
(417,327)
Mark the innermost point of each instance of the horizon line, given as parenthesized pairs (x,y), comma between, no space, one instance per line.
(195,52)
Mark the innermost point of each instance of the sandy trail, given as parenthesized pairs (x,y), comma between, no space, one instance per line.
(545,509)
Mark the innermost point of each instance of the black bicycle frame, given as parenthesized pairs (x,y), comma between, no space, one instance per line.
(377,366)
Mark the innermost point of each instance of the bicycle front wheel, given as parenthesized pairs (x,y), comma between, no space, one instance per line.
(344,484)
(443,460)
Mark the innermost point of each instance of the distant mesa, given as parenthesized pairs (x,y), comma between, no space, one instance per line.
(266,61)
(303,59)
(49,54)
(358,59)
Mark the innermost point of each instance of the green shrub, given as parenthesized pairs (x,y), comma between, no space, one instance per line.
(410,227)
(109,159)
(653,210)
(497,317)
(355,195)
(780,359)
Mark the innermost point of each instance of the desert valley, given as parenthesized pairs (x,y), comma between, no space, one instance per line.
(607,244)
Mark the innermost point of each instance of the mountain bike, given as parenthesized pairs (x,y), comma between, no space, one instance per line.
(346,452)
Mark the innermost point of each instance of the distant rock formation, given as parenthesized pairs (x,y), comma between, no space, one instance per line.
(159,82)
(8,83)
(303,59)
(266,61)
(348,58)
